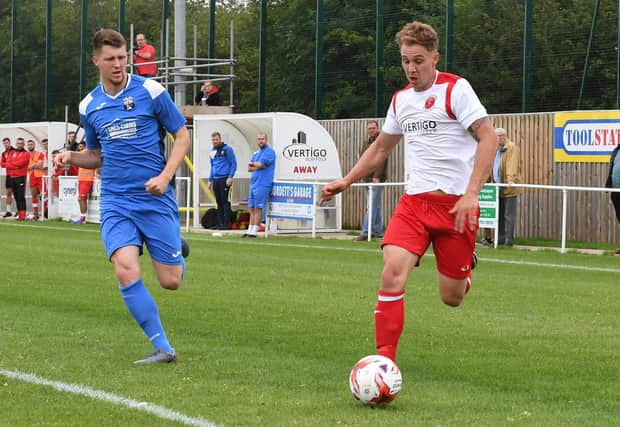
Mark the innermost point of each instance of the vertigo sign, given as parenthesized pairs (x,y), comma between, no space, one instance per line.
(585,136)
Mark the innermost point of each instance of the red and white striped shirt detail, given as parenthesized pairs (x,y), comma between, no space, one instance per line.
(439,150)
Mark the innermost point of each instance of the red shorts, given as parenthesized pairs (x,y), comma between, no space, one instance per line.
(84,188)
(36,182)
(422,219)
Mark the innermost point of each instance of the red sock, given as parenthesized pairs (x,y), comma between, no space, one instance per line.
(468,282)
(389,322)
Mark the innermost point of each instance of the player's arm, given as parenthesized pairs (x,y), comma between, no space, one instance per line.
(467,206)
(89,159)
(372,158)
(159,184)
(232,159)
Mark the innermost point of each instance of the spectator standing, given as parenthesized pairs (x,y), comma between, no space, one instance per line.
(44,186)
(6,142)
(35,177)
(262,165)
(86,178)
(507,170)
(209,94)
(378,176)
(223,169)
(449,145)
(613,181)
(72,144)
(17,171)
(142,54)
(124,119)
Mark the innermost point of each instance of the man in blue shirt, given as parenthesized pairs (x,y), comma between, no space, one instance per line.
(223,169)
(262,165)
(125,120)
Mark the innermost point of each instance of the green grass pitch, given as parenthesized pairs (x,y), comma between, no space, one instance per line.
(268,329)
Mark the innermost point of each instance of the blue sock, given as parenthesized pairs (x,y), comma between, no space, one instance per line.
(144,309)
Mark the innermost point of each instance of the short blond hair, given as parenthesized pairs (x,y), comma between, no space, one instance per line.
(418,33)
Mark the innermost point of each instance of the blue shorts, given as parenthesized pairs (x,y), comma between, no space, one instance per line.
(135,220)
(258,197)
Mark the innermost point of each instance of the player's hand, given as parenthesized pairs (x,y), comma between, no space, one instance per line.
(62,160)
(465,213)
(229,182)
(331,189)
(157,185)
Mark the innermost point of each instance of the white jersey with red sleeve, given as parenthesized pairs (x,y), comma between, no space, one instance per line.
(439,150)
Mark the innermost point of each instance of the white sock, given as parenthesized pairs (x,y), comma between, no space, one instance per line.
(252,229)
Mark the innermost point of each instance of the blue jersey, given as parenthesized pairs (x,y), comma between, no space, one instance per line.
(223,162)
(264,177)
(129,129)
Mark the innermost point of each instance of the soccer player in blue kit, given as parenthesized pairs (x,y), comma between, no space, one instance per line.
(125,119)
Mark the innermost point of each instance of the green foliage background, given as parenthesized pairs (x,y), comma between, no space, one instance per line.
(488,50)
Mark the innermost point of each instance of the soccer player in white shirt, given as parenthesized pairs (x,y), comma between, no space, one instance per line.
(450,147)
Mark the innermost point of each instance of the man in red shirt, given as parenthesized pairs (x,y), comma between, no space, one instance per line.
(3,162)
(86,177)
(16,170)
(144,53)
(35,177)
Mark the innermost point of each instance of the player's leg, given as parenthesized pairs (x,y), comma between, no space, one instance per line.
(19,193)
(252,206)
(227,207)
(9,196)
(220,201)
(138,299)
(259,202)
(123,245)
(405,240)
(454,251)
(390,308)
(34,192)
(161,229)
(455,256)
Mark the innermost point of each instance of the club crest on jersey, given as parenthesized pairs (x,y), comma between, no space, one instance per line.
(430,102)
(128,103)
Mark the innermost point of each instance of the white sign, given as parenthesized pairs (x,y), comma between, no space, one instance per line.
(292,201)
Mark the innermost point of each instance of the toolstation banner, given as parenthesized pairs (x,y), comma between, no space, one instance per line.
(585,136)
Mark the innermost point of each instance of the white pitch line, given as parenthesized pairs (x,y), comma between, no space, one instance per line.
(377,250)
(207,238)
(159,411)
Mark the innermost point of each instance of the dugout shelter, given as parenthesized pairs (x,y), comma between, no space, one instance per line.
(306,158)
(56,134)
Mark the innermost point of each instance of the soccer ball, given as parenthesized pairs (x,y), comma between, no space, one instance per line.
(375,380)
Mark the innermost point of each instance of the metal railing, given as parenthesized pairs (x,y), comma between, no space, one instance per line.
(564,189)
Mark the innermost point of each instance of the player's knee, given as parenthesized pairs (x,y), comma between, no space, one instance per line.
(452,300)
(126,274)
(392,279)
(172,283)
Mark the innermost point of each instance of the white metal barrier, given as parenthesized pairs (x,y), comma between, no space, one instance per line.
(563,189)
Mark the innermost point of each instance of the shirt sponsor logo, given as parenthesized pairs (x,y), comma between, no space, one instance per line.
(123,130)
(419,127)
